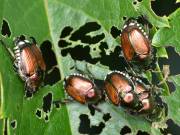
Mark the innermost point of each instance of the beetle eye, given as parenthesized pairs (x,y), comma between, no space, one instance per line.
(29,62)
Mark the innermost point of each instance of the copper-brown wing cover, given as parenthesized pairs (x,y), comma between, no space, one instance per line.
(134,42)
(39,57)
(31,59)
(77,87)
(114,84)
(126,46)
(140,43)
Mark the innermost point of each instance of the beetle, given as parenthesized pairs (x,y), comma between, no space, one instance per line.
(120,89)
(81,89)
(133,94)
(150,103)
(29,63)
(135,44)
(144,94)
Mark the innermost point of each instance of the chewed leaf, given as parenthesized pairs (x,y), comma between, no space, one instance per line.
(173,101)
(145,9)
(79,37)
(169,36)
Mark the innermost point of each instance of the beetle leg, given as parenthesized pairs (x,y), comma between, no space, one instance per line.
(53,67)
(15,65)
(63,101)
(28,88)
(129,67)
(96,108)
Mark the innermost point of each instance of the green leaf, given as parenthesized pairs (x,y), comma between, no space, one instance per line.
(119,119)
(169,36)
(173,101)
(161,52)
(144,8)
(46,20)
(1,126)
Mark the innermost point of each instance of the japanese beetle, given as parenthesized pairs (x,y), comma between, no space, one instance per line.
(150,103)
(81,89)
(120,89)
(133,94)
(135,44)
(29,63)
(144,94)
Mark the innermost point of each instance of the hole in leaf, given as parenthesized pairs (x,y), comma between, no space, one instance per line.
(172,61)
(106,117)
(50,60)
(6,127)
(92,110)
(84,124)
(86,128)
(135,2)
(47,118)
(84,55)
(114,61)
(125,130)
(124,18)
(5,29)
(47,102)
(139,0)
(71,68)
(171,129)
(52,77)
(66,31)
(144,21)
(115,32)
(38,113)
(57,105)
(63,43)
(14,124)
(164,7)
(142,133)
(82,33)
(48,54)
